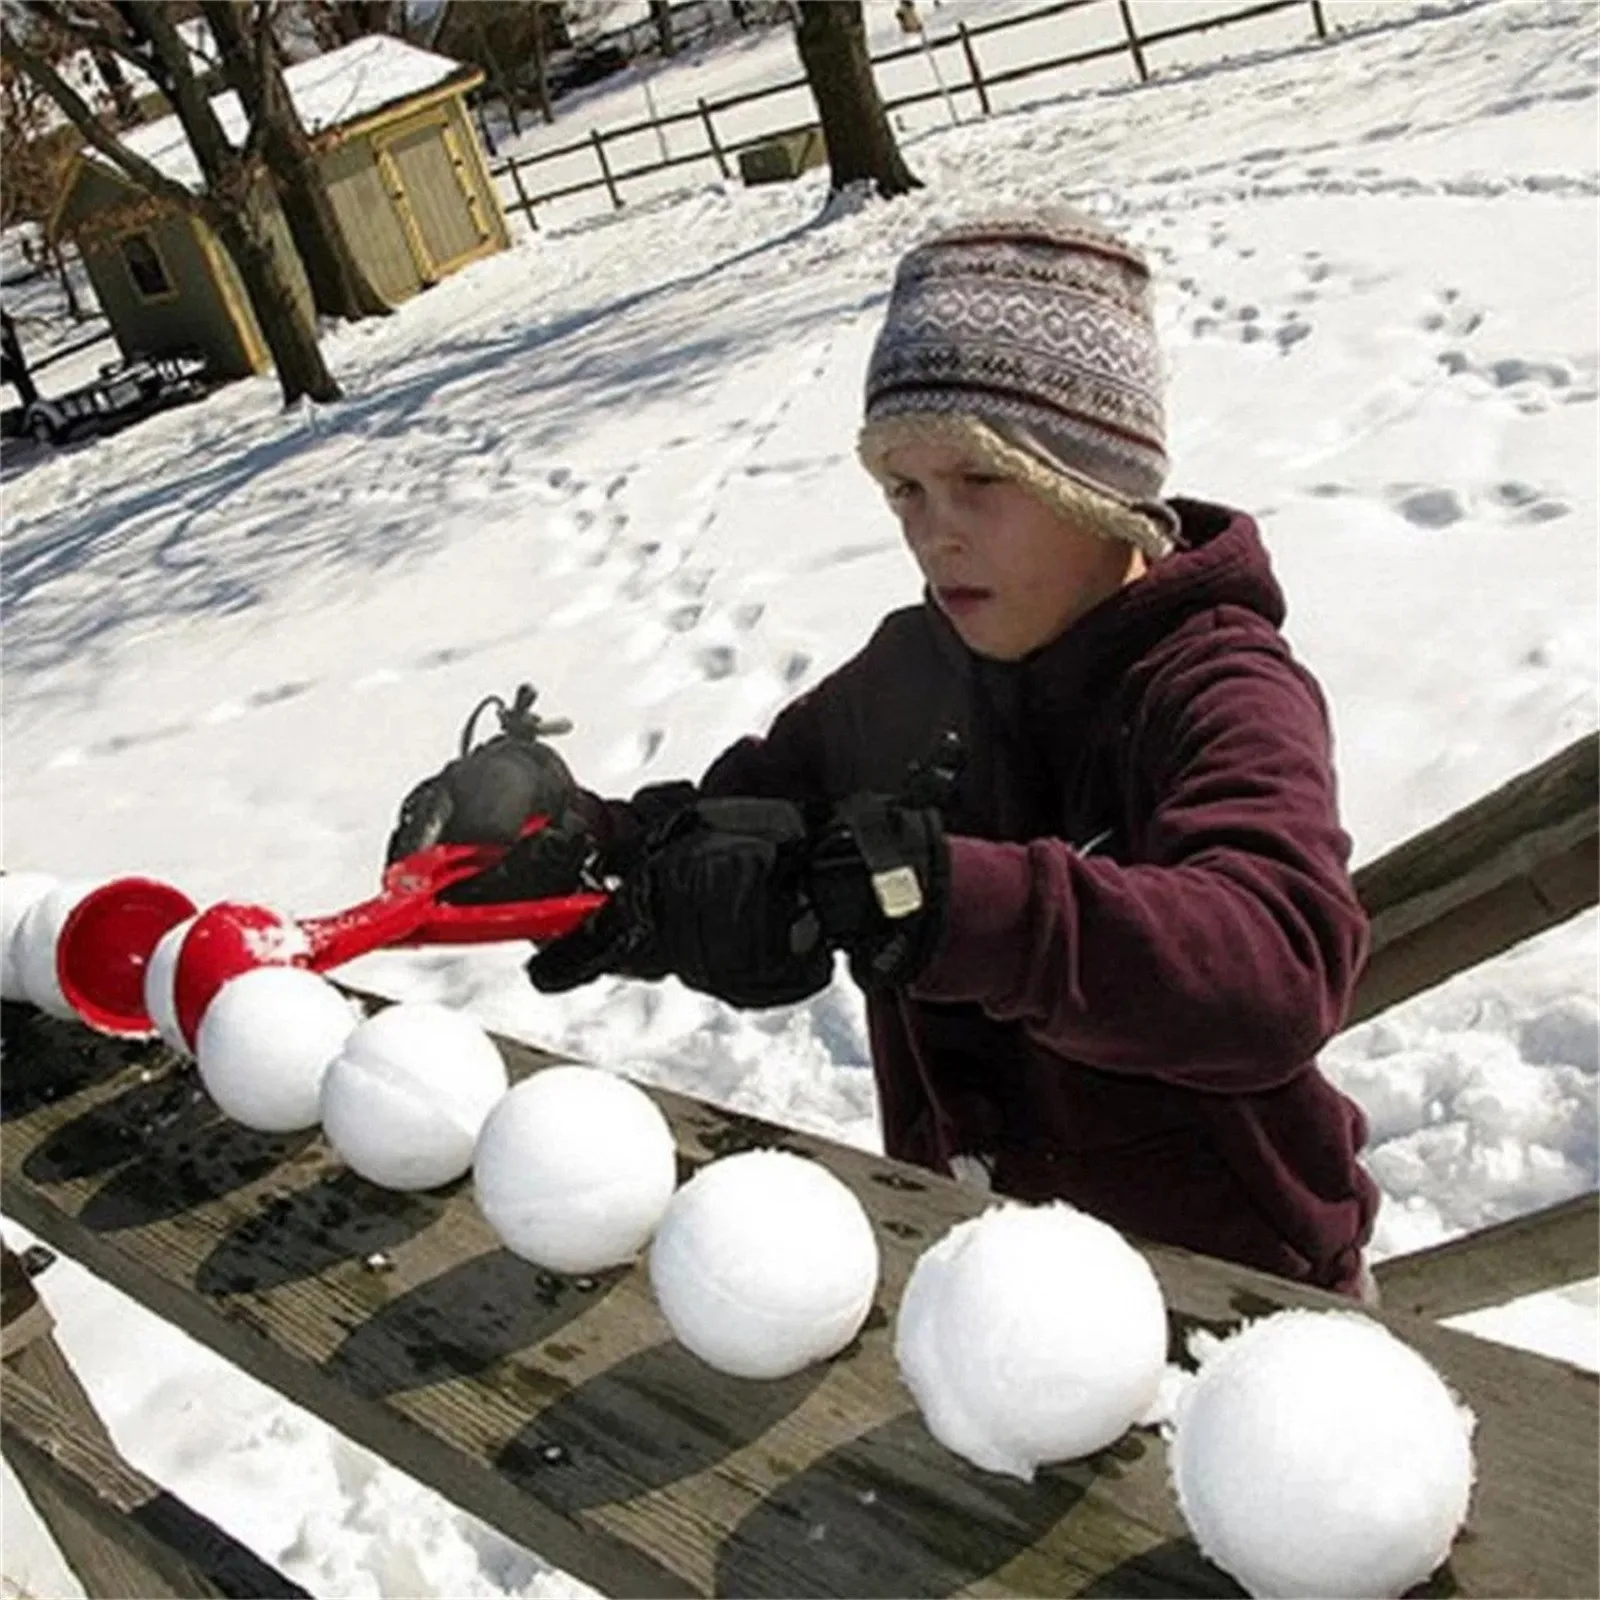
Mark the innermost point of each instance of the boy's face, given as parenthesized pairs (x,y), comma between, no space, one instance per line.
(1009,572)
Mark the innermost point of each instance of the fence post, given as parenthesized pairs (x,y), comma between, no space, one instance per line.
(1319,19)
(1134,46)
(524,204)
(978,84)
(711,135)
(605,167)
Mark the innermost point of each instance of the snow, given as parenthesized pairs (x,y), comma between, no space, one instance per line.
(574,1168)
(617,461)
(1031,1334)
(1316,1454)
(764,1263)
(265,1044)
(404,1100)
(327,90)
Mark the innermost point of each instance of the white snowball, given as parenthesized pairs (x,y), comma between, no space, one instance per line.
(265,1042)
(159,973)
(574,1168)
(1315,1454)
(405,1098)
(33,947)
(1030,1335)
(19,892)
(764,1263)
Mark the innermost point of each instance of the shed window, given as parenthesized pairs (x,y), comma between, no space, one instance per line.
(145,266)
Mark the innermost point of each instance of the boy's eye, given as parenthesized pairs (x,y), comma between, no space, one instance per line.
(900,490)
(979,480)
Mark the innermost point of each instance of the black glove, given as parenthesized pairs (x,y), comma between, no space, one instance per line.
(591,843)
(880,882)
(718,897)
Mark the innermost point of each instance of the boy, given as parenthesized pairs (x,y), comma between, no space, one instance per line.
(1101,956)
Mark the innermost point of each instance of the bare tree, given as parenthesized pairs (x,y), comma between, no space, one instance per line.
(661,16)
(36,154)
(832,39)
(117,85)
(340,22)
(252,69)
(237,200)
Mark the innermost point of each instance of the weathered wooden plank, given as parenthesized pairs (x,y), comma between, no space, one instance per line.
(559,1410)
(122,1535)
(1544,1250)
(1510,865)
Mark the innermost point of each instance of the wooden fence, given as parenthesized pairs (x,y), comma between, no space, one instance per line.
(560,1411)
(977,83)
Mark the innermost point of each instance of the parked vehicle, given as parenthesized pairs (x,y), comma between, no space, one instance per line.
(124,393)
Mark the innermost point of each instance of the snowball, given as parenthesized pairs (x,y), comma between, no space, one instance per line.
(1315,1454)
(19,891)
(33,947)
(764,1263)
(265,1043)
(159,999)
(404,1100)
(573,1169)
(1030,1335)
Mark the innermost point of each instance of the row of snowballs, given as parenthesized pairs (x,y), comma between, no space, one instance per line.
(1312,1454)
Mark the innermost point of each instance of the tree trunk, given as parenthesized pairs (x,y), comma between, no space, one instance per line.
(117,85)
(239,207)
(661,16)
(540,48)
(340,286)
(861,145)
(491,59)
(267,273)
(13,364)
(58,258)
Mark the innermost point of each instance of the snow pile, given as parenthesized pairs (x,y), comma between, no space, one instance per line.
(265,1043)
(1315,1454)
(1030,1335)
(405,1098)
(574,1168)
(764,1263)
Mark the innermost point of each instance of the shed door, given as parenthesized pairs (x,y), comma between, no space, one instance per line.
(444,207)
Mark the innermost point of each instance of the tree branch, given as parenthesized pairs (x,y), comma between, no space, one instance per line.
(77,111)
(87,30)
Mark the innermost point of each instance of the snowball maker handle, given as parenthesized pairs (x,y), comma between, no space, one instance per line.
(108,940)
(408,910)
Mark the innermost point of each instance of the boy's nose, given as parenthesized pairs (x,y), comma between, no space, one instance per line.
(944,529)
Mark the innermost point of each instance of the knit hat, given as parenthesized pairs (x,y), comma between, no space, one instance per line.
(1031,340)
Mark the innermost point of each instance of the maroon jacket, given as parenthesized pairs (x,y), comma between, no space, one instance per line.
(1151,926)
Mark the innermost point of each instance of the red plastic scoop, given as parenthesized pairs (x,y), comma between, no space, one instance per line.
(108,940)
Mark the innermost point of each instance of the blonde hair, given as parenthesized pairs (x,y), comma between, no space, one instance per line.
(1073,499)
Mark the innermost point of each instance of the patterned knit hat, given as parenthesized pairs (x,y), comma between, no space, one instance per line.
(1031,339)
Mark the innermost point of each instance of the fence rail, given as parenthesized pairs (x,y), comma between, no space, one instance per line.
(977,86)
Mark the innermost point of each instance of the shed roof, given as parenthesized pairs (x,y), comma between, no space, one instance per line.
(329,90)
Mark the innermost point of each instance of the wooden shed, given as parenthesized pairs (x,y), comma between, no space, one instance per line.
(406,175)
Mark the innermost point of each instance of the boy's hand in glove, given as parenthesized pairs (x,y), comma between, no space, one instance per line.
(717,896)
(880,879)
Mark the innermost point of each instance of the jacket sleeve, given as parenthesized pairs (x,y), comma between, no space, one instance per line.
(1223,958)
(788,763)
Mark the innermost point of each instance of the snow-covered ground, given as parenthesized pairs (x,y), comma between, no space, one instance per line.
(617,461)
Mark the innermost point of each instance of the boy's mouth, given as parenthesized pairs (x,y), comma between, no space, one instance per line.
(958,597)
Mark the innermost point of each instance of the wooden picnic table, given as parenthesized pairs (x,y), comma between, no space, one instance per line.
(559,1409)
